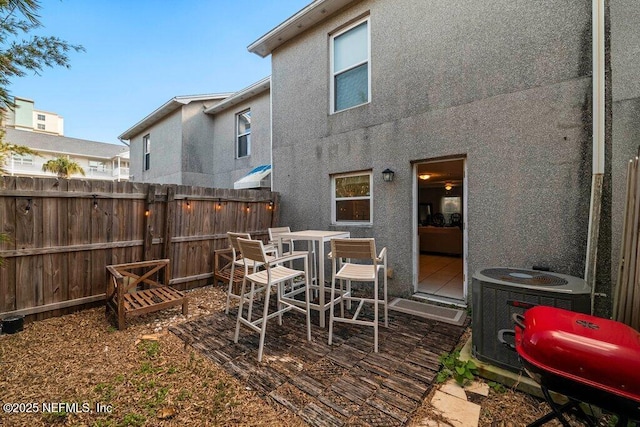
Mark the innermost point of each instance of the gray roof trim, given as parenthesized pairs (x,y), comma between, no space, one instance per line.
(166,109)
(306,18)
(241,96)
(64,145)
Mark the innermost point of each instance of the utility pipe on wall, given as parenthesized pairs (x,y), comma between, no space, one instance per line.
(598,110)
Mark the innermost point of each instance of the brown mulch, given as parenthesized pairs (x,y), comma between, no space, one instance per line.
(146,376)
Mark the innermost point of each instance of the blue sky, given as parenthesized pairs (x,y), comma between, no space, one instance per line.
(141,53)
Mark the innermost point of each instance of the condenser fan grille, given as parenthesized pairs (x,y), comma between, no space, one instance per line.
(524,277)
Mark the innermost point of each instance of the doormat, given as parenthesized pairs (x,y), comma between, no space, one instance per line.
(429,311)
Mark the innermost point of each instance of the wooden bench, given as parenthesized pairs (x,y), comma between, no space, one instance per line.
(135,288)
(222,259)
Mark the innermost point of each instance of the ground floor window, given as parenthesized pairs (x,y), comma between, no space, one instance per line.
(96,166)
(351,198)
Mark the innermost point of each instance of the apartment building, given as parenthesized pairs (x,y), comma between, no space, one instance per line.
(25,116)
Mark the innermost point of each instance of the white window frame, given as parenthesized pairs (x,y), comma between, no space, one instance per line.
(239,135)
(332,74)
(146,152)
(42,117)
(335,199)
(22,159)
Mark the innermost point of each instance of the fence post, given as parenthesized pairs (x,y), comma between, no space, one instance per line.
(148,227)
(275,211)
(168,225)
(170,209)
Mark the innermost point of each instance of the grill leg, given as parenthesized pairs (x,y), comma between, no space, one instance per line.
(556,410)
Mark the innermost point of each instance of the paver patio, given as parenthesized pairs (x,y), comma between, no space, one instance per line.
(343,384)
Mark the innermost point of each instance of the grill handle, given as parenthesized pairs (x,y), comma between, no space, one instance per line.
(518,319)
(501,337)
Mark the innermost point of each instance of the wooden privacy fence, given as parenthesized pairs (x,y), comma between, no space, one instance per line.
(626,304)
(63,234)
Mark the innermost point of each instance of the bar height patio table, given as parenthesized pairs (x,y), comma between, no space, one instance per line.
(316,238)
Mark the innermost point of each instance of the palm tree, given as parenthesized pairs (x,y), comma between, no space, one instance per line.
(63,167)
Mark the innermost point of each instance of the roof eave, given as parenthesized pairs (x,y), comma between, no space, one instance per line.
(164,110)
(306,18)
(241,96)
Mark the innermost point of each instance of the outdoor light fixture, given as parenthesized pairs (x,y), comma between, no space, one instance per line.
(95,202)
(219,205)
(147,212)
(270,204)
(28,207)
(424,176)
(387,175)
(448,186)
(188,204)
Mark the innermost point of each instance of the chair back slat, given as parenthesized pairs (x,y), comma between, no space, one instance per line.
(354,248)
(252,250)
(233,239)
(275,232)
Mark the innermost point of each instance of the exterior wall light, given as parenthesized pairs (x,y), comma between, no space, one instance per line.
(387,175)
(448,186)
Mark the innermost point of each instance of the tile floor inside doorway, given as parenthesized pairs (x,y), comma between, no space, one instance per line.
(441,276)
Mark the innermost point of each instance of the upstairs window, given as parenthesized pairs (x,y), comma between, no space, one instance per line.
(146,144)
(350,71)
(351,198)
(22,159)
(41,126)
(41,117)
(243,132)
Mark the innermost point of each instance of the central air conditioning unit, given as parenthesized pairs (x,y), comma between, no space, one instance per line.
(498,293)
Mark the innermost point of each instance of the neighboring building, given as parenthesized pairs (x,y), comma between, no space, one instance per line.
(207,140)
(490,99)
(242,138)
(173,144)
(99,160)
(25,117)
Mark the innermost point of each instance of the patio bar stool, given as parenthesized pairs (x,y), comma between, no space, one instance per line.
(238,262)
(343,254)
(274,274)
(288,248)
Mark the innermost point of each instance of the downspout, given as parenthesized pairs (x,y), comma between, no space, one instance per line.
(271,127)
(598,115)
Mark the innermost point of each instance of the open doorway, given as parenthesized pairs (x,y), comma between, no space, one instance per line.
(440,233)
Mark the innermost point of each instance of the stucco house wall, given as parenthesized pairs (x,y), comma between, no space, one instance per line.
(228,168)
(198,160)
(506,85)
(166,153)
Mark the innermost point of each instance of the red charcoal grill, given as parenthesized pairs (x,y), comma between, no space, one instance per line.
(586,358)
